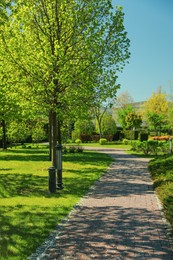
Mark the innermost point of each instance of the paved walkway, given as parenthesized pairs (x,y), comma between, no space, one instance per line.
(119,219)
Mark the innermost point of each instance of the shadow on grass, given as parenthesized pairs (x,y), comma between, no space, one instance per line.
(23,228)
(12,185)
(27,185)
(92,158)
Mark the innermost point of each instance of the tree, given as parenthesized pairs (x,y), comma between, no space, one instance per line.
(122,115)
(63,49)
(156,121)
(155,110)
(157,103)
(108,125)
(124,100)
(84,126)
(133,120)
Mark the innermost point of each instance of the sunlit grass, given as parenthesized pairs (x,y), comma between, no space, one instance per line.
(115,144)
(161,170)
(28,213)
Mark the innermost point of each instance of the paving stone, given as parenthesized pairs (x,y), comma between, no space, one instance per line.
(119,219)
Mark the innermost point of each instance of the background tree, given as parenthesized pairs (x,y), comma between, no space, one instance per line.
(108,125)
(156,121)
(133,120)
(122,114)
(155,110)
(123,100)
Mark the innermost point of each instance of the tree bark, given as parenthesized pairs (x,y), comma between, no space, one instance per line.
(52,137)
(4,139)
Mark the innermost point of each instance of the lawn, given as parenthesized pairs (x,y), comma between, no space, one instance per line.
(115,144)
(161,169)
(28,213)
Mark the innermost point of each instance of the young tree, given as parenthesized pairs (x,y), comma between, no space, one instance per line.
(124,100)
(62,48)
(122,115)
(108,125)
(155,110)
(133,120)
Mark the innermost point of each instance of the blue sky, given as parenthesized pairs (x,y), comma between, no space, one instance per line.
(149,24)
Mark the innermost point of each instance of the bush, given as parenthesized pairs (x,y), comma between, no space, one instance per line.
(143,137)
(64,149)
(95,138)
(75,135)
(125,141)
(72,149)
(135,145)
(102,141)
(78,141)
(85,138)
(131,135)
(152,146)
(79,149)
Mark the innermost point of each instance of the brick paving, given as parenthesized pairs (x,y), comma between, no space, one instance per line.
(119,219)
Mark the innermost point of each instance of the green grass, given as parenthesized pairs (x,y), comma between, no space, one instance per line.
(28,213)
(161,170)
(108,145)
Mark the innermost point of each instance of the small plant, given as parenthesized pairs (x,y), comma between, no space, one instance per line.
(78,141)
(125,141)
(79,149)
(64,150)
(102,141)
(72,149)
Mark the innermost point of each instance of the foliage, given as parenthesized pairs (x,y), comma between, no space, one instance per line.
(133,120)
(38,131)
(150,146)
(143,136)
(123,100)
(18,131)
(77,141)
(84,126)
(125,141)
(122,114)
(86,138)
(131,134)
(155,110)
(108,125)
(155,120)
(102,141)
(65,54)
(75,135)
(161,169)
(28,213)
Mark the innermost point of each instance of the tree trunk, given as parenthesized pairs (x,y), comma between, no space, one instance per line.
(52,137)
(4,139)
(59,132)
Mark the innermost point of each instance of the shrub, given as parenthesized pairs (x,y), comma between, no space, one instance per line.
(152,146)
(79,149)
(125,141)
(64,149)
(85,138)
(95,138)
(143,136)
(72,149)
(102,141)
(78,141)
(131,135)
(135,145)
(75,135)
